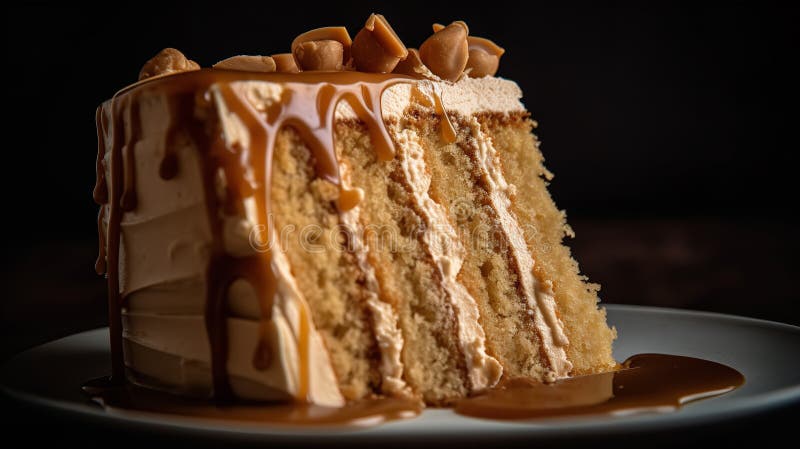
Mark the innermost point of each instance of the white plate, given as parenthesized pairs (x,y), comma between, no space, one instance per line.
(765,352)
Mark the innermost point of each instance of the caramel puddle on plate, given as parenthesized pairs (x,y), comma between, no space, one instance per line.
(647,383)
(371,412)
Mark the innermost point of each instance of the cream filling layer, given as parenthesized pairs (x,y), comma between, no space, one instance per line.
(466,97)
(538,295)
(448,254)
(385,322)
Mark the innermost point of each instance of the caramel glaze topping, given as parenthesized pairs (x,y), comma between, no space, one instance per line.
(308,105)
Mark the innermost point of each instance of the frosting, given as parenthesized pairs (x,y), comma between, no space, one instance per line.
(444,246)
(467,97)
(538,295)
(164,251)
(175,229)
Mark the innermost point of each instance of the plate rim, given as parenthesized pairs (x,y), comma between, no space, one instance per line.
(772,400)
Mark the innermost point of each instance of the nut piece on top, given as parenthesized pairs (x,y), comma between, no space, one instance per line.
(285,63)
(166,62)
(322,49)
(412,65)
(377,48)
(247,63)
(484,57)
(319,55)
(449,54)
(447,51)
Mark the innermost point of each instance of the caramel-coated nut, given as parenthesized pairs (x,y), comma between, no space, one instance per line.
(481,64)
(446,52)
(377,48)
(411,66)
(439,27)
(338,34)
(285,63)
(319,55)
(484,57)
(247,63)
(167,61)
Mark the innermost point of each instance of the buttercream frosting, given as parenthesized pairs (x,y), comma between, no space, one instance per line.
(165,243)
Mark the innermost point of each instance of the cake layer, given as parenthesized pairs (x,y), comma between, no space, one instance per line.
(350,267)
(576,300)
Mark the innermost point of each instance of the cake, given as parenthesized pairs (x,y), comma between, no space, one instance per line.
(350,220)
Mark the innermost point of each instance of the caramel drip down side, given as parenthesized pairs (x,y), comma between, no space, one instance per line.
(168,167)
(128,200)
(100,263)
(119,140)
(100,192)
(447,131)
(299,105)
(308,105)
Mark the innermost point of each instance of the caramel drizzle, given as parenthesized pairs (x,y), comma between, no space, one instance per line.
(100,263)
(118,140)
(100,192)
(446,129)
(307,96)
(168,167)
(300,103)
(433,99)
(128,200)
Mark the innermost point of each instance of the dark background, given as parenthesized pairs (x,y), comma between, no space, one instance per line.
(672,131)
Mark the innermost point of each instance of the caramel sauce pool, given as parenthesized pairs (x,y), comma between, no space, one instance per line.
(646,383)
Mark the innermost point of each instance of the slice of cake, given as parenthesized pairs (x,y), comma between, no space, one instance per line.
(352,219)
